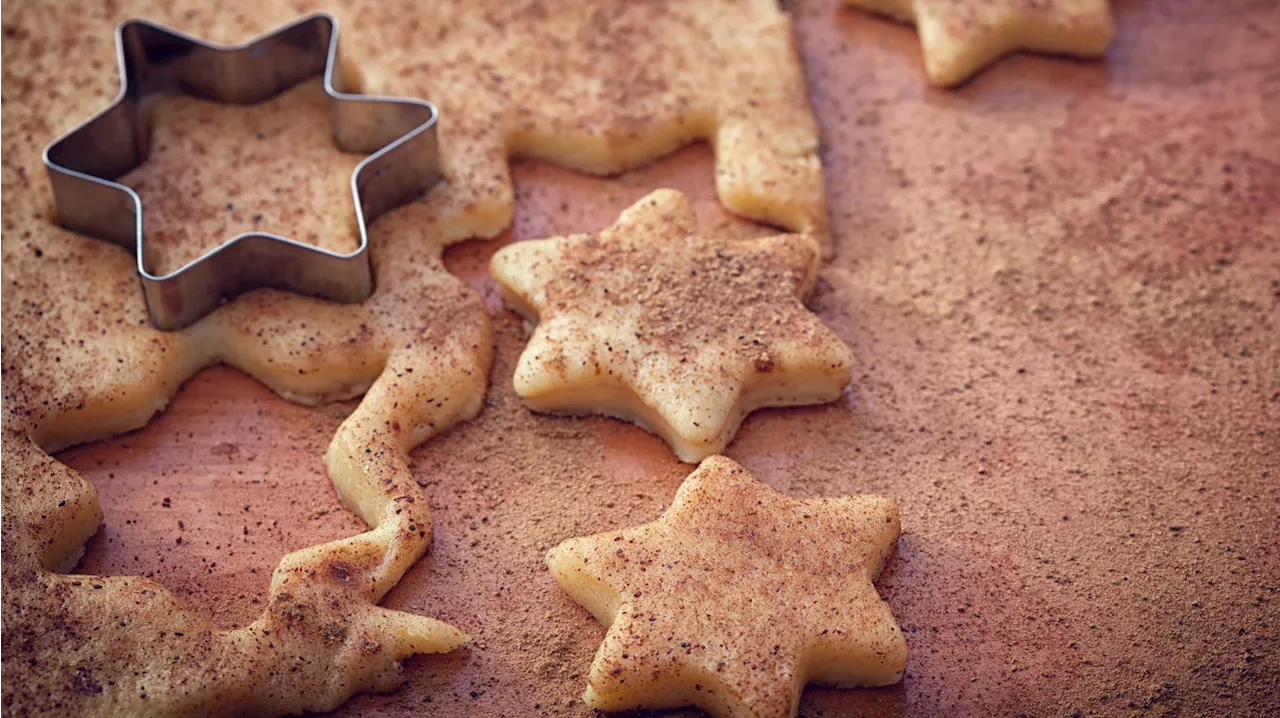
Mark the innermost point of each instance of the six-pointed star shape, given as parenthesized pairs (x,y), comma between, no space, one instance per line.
(682,334)
(959,37)
(737,597)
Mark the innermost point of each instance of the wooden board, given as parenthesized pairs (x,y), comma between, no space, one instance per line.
(1061,285)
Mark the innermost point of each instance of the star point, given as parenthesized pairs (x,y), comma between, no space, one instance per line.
(682,334)
(960,37)
(736,598)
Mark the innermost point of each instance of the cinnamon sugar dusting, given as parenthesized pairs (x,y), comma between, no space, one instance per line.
(736,597)
(237,176)
(690,290)
(601,87)
(685,334)
(1060,283)
(81,362)
(960,37)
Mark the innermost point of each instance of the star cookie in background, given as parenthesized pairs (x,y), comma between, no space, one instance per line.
(682,334)
(960,37)
(737,597)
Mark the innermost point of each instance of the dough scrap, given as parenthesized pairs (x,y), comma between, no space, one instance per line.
(603,87)
(682,334)
(736,597)
(960,37)
(81,362)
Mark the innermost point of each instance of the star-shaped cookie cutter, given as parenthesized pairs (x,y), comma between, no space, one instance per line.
(156,61)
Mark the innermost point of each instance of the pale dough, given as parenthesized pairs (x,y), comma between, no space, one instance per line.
(737,597)
(960,37)
(685,335)
(81,362)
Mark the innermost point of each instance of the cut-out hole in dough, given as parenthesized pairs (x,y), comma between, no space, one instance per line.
(207,508)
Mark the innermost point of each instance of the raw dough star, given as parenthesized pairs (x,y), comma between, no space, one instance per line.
(737,597)
(682,334)
(960,37)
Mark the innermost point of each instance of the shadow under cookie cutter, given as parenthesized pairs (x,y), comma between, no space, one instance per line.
(156,61)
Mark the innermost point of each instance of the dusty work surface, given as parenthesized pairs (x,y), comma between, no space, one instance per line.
(1061,284)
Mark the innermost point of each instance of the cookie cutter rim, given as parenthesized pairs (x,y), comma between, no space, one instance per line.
(402,166)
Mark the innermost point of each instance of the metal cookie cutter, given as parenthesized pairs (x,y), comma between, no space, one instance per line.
(157,61)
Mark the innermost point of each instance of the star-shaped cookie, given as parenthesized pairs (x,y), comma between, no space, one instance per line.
(737,597)
(960,37)
(684,335)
